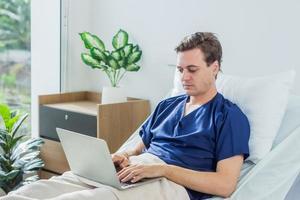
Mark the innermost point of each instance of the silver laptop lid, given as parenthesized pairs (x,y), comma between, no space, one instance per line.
(88,157)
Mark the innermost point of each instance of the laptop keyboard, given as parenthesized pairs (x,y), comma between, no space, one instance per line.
(123,184)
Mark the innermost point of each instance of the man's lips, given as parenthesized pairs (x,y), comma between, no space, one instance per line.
(187,86)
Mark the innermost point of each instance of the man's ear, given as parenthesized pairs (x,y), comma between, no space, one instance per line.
(215,67)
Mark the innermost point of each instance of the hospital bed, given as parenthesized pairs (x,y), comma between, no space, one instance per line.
(275,177)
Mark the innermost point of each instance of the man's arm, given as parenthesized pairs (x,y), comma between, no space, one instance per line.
(137,150)
(222,182)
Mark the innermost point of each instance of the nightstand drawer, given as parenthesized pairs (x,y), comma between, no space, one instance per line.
(51,118)
(54,157)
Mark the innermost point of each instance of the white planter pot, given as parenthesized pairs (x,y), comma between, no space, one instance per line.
(113,95)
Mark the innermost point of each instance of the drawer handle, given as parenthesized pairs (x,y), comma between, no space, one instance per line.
(66,117)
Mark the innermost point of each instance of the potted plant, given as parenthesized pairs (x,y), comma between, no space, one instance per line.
(19,159)
(115,63)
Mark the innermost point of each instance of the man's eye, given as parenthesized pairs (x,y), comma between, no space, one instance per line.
(180,70)
(192,70)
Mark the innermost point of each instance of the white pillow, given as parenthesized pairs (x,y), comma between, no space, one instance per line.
(263,100)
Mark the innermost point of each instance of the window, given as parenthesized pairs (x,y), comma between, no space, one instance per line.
(15,56)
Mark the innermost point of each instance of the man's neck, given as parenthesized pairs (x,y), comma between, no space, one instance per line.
(203,98)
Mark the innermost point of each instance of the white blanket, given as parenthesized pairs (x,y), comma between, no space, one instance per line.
(68,186)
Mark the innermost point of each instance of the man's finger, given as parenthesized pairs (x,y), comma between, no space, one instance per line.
(125,163)
(118,158)
(129,176)
(123,173)
(126,171)
(126,168)
(136,178)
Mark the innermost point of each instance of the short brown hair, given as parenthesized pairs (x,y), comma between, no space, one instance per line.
(207,42)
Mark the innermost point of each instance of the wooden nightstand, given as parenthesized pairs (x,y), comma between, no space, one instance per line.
(82,113)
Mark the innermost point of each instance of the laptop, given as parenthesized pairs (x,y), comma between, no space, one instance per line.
(90,160)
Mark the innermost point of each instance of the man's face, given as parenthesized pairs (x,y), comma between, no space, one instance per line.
(196,76)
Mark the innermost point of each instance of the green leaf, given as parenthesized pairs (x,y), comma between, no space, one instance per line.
(14,113)
(135,48)
(134,57)
(98,54)
(122,53)
(12,122)
(90,61)
(123,62)
(8,176)
(3,159)
(120,39)
(31,179)
(30,145)
(116,55)
(33,143)
(2,143)
(7,146)
(104,67)
(127,49)
(3,138)
(15,140)
(107,53)
(5,114)
(133,68)
(33,165)
(25,158)
(18,124)
(113,63)
(91,41)
(3,133)
(18,164)
(12,174)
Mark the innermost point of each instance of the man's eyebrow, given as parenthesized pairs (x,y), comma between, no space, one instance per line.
(189,66)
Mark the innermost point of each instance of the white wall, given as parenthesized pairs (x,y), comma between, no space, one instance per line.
(79,20)
(45,53)
(258,38)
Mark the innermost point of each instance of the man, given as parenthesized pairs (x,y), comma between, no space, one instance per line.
(201,136)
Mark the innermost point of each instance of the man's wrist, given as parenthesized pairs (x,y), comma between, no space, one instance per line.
(129,153)
(132,152)
(165,170)
(126,154)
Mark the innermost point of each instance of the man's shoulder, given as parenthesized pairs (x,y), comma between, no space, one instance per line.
(172,100)
(228,108)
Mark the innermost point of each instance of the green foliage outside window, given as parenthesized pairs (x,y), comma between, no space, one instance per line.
(15,73)
(14,24)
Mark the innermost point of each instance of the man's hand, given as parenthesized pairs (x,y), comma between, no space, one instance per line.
(120,160)
(137,172)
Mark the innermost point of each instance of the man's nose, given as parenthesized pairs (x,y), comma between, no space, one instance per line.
(185,75)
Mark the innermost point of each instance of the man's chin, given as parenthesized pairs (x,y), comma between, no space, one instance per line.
(193,93)
(189,92)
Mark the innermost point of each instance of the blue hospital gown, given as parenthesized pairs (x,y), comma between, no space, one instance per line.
(214,131)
